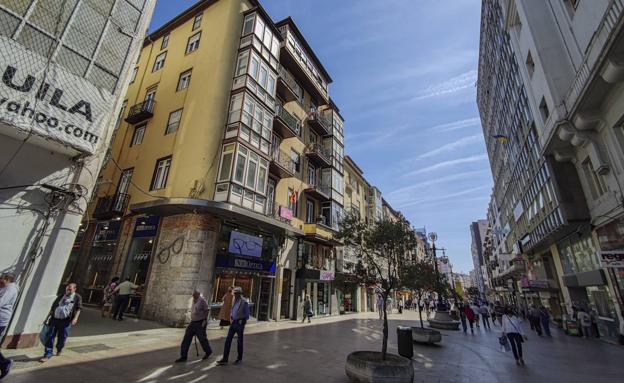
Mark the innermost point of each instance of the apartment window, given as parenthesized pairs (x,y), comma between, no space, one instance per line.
(593,179)
(295,160)
(161,173)
(251,170)
(122,112)
(227,157)
(137,136)
(174,121)
(543,107)
(150,94)
(311,175)
(197,21)
(159,62)
(530,64)
(184,80)
(193,43)
(165,41)
(248,24)
(309,211)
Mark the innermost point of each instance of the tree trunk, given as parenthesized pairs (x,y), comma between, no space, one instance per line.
(384,347)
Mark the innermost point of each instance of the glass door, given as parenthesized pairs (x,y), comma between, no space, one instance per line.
(270,206)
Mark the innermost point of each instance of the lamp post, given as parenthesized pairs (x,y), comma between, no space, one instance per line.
(434,237)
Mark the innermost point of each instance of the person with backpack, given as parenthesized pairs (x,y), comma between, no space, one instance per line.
(514,332)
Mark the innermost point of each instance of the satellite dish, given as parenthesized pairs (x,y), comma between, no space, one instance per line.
(433,237)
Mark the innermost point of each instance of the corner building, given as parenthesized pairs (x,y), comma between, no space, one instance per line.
(226,169)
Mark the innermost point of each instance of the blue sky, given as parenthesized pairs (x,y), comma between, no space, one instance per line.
(404,79)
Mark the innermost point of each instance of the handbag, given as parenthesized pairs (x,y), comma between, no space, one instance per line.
(44,335)
(504,343)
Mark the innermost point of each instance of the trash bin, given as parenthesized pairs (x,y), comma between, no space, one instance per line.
(406,345)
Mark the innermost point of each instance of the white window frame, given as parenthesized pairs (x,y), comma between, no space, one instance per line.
(173,127)
(159,61)
(165,41)
(193,43)
(161,173)
(184,80)
(227,152)
(122,112)
(197,21)
(137,135)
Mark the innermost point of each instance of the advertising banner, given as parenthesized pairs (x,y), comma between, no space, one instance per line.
(40,97)
(245,244)
(611,258)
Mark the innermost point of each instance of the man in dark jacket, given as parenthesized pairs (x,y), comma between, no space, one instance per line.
(63,314)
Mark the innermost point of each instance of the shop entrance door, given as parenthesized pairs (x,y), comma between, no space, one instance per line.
(285,302)
(264,299)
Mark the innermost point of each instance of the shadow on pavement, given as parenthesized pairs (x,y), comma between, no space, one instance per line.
(91,323)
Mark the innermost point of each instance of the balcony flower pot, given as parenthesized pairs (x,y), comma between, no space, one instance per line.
(368,367)
(426,335)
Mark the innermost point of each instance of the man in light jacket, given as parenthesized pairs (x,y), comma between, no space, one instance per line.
(8,296)
(240,315)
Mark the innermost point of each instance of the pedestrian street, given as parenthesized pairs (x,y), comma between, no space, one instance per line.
(316,352)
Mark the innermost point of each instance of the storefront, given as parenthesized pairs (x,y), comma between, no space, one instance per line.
(137,263)
(346,288)
(611,239)
(245,258)
(317,284)
(99,266)
(588,285)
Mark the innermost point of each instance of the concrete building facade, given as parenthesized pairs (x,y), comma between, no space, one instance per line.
(64,67)
(566,55)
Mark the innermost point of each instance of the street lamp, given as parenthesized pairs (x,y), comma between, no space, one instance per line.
(434,237)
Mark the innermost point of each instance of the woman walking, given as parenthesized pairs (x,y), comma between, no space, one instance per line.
(109,297)
(513,330)
(470,315)
(226,308)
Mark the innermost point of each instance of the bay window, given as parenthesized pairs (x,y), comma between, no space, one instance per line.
(251,121)
(249,64)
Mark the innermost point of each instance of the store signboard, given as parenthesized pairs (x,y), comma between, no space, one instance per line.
(327,275)
(245,244)
(43,98)
(107,231)
(285,213)
(234,262)
(611,259)
(146,227)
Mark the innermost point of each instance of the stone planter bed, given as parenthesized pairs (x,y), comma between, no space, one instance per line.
(367,367)
(426,335)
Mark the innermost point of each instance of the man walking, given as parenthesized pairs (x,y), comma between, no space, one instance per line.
(197,327)
(545,319)
(585,320)
(123,291)
(380,306)
(240,315)
(63,314)
(484,310)
(8,296)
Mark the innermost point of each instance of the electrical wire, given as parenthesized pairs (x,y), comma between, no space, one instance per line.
(135,185)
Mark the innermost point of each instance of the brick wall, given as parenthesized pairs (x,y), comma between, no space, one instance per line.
(184,260)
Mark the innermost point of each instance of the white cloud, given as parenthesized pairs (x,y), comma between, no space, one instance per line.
(437,198)
(452,85)
(448,164)
(466,141)
(406,190)
(456,125)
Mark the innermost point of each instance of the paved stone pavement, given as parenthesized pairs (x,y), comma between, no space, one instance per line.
(316,353)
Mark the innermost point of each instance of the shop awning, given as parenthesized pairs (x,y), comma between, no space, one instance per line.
(172,206)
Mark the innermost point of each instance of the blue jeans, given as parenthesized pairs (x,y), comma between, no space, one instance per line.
(59,328)
(238,329)
(3,361)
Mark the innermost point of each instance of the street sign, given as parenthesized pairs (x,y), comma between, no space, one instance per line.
(611,259)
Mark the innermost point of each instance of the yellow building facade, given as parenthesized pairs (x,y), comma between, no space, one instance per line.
(226,168)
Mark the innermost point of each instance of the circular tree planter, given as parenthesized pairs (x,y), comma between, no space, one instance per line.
(367,367)
(426,335)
